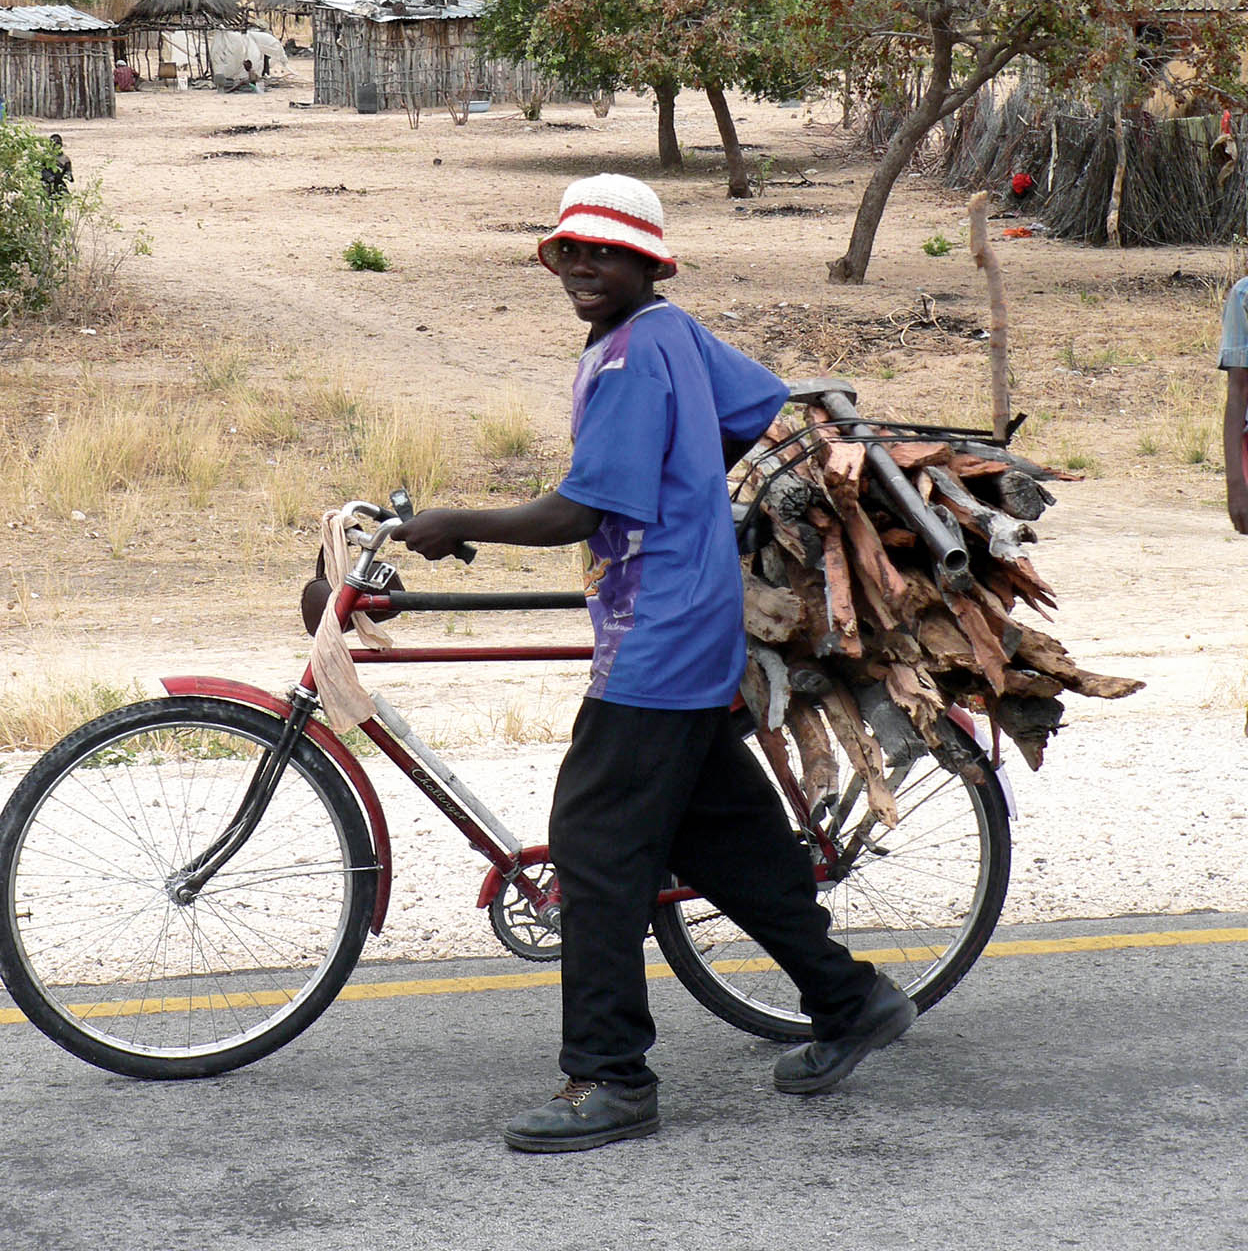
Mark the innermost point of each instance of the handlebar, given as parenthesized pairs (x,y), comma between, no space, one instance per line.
(390,521)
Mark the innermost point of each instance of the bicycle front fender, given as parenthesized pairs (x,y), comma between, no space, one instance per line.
(334,748)
(964,721)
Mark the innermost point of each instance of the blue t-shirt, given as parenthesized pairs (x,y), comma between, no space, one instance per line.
(651,404)
(1233,353)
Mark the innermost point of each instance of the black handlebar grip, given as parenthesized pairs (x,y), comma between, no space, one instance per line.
(465,552)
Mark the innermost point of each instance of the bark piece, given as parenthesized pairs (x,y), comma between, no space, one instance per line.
(917,455)
(990,656)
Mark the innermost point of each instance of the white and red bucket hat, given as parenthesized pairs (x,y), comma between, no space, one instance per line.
(614,209)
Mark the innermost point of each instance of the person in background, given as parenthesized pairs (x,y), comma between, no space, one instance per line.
(60,171)
(1234,359)
(124,78)
(247,78)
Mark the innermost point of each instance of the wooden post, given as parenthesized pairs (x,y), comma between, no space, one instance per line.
(986,260)
(1120,171)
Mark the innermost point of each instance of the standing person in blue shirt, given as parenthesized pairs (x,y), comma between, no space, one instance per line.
(1234,359)
(656,780)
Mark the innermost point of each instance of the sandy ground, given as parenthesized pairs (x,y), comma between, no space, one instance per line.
(1140,805)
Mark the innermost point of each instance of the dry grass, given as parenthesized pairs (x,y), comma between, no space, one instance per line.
(121,442)
(35,716)
(505,430)
(87,443)
(414,448)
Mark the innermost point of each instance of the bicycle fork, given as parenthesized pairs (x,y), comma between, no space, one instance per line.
(184,885)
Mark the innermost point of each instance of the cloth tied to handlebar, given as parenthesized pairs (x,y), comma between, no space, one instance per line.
(345,701)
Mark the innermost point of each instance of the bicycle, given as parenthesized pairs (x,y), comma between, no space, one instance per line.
(190,880)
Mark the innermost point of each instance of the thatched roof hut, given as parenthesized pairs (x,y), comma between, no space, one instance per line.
(55,61)
(162,32)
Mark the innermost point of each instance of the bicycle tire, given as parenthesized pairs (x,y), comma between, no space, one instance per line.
(875,912)
(96,949)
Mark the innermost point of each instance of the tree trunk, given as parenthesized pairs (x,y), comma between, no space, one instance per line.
(738,177)
(669,148)
(852,267)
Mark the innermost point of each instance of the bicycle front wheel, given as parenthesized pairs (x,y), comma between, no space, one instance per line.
(920,904)
(97,948)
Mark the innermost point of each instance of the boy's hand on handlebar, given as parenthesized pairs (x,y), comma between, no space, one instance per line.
(433,533)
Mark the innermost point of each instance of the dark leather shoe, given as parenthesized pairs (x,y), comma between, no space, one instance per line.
(584,1115)
(887,1013)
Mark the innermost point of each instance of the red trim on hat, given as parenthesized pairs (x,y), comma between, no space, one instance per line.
(625,219)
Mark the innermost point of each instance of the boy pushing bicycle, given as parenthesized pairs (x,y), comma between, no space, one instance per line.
(656,780)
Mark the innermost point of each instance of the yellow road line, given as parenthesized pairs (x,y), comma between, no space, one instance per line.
(518,981)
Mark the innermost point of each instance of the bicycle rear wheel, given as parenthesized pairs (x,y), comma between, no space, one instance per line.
(921,906)
(95,946)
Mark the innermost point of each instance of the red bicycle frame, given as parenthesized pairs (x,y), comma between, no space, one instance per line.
(505,865)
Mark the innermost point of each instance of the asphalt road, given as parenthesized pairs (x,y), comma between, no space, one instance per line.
(1059,1098)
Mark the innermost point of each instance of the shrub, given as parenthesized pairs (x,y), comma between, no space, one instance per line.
(361,256)
(937,245)
(36,231)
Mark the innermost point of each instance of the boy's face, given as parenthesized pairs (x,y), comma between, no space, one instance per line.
(606,284)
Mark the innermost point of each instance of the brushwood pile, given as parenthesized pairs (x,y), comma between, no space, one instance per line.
(863,625)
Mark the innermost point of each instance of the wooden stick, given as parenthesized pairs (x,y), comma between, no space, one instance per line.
(986,259)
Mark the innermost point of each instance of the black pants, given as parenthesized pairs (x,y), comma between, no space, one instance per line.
(642,792)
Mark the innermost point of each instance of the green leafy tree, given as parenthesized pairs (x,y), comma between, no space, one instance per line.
(660,45)
(874,46)
(37,238)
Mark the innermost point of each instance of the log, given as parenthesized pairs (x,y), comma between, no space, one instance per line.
(863,751)
(882,585)
(968,466)
(990,656)
(913,690)
(1029,722)
(1017,493)
(1004,534)
(800,539)
(819,635)
(1101,686)
(943,644)
(819,771)
(775,686)
(773,614)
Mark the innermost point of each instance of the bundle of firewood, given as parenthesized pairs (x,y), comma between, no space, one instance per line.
(886,566)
